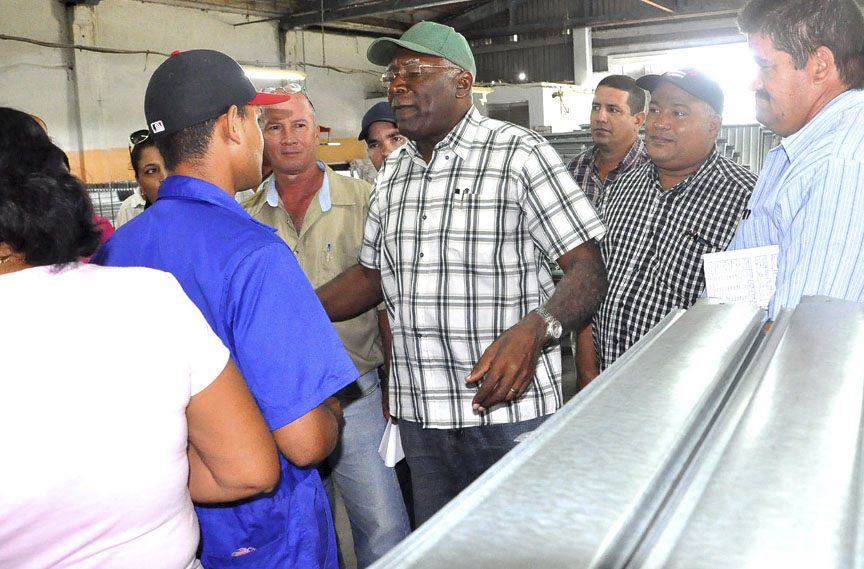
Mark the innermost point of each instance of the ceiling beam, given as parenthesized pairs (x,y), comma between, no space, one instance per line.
(630,18)
(520,45)
(334,12)
(221,6)
(483,12)
(661,42)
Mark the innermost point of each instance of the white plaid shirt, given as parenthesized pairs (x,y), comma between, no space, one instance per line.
(653,250)
(463,245)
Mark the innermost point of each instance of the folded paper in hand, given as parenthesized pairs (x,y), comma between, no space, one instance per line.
(747,275)
(390,448)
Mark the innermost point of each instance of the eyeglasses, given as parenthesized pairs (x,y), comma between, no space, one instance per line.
(410,71)
(289,89)
(137,138)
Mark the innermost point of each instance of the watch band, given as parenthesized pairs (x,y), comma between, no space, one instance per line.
(554,329)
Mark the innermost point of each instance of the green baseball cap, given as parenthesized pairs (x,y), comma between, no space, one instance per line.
(426,37)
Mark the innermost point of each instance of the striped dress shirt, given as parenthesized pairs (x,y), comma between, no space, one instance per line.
(655,242)
(809,201)
(463,245)
(583,168)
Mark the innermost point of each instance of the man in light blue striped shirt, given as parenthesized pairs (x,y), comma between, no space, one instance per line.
(809,199)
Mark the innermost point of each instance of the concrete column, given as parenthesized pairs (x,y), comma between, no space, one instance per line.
(88,87)
(582,54)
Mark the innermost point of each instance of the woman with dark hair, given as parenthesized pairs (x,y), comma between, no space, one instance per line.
(23,135)
(149,172)
(101,458)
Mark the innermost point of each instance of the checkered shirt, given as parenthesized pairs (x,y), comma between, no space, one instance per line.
(655,242)
(463,245)
(583,168)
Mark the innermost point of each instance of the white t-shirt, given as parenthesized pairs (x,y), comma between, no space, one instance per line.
(92,417)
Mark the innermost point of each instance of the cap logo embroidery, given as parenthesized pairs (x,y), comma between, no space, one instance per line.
(157,126)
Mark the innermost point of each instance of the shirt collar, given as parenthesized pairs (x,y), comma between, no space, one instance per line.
(138,197)
(458,139)
(799,142)
(691,180)
(637,150)
(460,136)
(323,194)
(185,187)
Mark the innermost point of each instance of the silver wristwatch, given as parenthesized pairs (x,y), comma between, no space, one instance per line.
(553,326)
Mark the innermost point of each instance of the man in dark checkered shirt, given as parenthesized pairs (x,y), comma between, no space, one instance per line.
(663,216)
(463,221)
(617,114)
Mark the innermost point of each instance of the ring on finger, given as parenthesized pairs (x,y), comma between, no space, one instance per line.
(514,390)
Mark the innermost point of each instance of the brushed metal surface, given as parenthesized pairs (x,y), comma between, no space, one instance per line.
(779,482)
(586,486)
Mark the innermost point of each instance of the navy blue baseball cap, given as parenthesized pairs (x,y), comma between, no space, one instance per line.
(194,86)
(691,80)
(380,112)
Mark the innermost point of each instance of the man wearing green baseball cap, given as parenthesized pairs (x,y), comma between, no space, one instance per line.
(462,225)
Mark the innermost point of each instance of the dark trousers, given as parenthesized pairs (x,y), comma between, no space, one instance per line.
(443,462)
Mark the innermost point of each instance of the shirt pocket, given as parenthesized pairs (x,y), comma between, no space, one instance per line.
(332,263)
(679,267)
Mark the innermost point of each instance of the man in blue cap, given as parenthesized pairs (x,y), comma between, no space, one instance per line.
(247,283)
(662,216)
(380,133)
(462,224)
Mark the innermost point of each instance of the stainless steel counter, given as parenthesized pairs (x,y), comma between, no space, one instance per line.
(709,444)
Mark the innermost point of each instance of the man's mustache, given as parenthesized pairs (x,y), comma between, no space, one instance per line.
(763,95)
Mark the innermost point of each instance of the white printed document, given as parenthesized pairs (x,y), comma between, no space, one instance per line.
(390,448)
(745,275)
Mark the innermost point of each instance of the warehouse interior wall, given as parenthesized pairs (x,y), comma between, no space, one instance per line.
(92,100)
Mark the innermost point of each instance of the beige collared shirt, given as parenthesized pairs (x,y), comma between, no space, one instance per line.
(328,243)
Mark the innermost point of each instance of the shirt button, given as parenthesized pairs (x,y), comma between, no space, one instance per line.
(421,254)
(424,216)
(428,178)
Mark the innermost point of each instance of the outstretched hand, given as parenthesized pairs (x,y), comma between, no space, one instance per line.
(508,365)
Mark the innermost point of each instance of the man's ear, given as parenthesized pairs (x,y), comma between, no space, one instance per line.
(233,124)
(640,119)
(464,82)
(821,64)
(714,124)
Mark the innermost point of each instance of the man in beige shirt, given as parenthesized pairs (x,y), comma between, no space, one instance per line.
(321,215)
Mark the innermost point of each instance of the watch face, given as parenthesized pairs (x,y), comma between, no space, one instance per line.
(556,330)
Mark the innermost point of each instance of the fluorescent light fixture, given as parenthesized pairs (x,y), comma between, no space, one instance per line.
(658,6)
(478,89)
(273,74)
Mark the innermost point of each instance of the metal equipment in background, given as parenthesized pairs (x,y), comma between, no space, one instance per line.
(710,444)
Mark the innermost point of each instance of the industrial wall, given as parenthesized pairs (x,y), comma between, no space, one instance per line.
(92,100)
